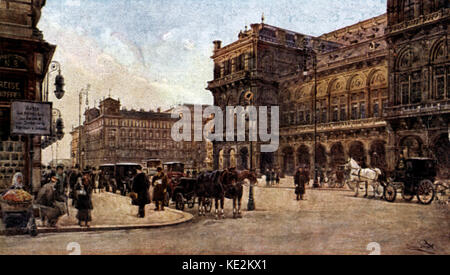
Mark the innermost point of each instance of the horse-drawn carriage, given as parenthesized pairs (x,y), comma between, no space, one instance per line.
(416,179)
(119,176)
(185,193)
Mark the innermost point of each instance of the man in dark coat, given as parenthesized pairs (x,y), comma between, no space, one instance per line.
(300,180)
(160,184)
(73,178)
(140,187)
(83,191)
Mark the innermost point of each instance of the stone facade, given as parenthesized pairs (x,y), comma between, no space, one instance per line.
(114,135)
(419,71)
(359,106)
(24,60)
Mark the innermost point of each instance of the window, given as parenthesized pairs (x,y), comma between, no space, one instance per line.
(354,111)
(376,108)
(416,93)
(362,110)
(335,113)
(440,82)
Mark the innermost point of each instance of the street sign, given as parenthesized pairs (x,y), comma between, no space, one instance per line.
(31,118)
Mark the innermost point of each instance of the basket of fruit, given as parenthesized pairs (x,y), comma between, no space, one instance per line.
(15,200)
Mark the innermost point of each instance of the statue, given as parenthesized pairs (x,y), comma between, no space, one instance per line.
(36,6)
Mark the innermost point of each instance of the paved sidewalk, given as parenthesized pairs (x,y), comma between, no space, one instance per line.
(115,212)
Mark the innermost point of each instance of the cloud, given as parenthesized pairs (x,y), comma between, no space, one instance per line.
(188,44)
(73,3)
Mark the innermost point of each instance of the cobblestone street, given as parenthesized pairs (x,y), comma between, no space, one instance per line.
(327,222)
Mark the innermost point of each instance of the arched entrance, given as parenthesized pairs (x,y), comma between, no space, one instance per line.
(441,149)
(411,147)
(378,155)
(357,152)
(267,161)
(233,162)
(288,161)
(303,156)
(243,159)
(221,160)
(337,155)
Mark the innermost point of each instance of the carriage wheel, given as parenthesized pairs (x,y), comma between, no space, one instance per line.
(179,202)
(208,205)
(390,193)
(425,192)
(191,202)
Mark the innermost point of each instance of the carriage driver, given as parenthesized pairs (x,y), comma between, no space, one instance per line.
(159,182)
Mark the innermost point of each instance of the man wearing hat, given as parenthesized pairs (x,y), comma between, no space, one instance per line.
(160,183)
(62,184)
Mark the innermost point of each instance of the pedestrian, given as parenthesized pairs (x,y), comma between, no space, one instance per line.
(277,175)
(73,179)
(140,188)
(101,181)
(62,180)
(95,180)
(272,177)
(49,203)
(159,182)
(268,176)
(83,191)
(300,180)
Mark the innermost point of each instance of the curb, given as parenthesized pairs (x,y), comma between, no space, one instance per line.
(69,229)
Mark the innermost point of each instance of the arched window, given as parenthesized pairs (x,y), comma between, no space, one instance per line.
(441,70)
(358,105)
(409,78)
(408,9)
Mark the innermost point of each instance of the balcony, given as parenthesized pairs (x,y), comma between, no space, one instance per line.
(236,76)
(432,108)
(425,19)
(334,126)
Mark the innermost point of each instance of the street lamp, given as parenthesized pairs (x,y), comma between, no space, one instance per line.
(251,200)
(310,52)
(59,81)
(81,93)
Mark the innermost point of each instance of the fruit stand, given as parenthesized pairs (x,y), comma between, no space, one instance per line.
(17,212)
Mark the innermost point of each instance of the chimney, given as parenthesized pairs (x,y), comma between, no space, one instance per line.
(159,110)
(217,45)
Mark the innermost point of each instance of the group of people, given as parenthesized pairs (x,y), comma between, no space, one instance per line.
(272,177)
(57,187)
(141,190)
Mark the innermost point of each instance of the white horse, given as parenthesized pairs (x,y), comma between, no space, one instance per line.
(366,175)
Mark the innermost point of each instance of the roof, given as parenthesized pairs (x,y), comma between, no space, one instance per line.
(128,164)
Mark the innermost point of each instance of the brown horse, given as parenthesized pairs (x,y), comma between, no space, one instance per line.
(236,190)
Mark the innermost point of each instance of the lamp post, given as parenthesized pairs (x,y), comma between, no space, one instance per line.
(310,52)
(81,93)
(251,200)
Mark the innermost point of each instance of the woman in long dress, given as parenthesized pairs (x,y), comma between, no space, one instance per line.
(83,191)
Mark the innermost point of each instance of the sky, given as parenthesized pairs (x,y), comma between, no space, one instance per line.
(156,53)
